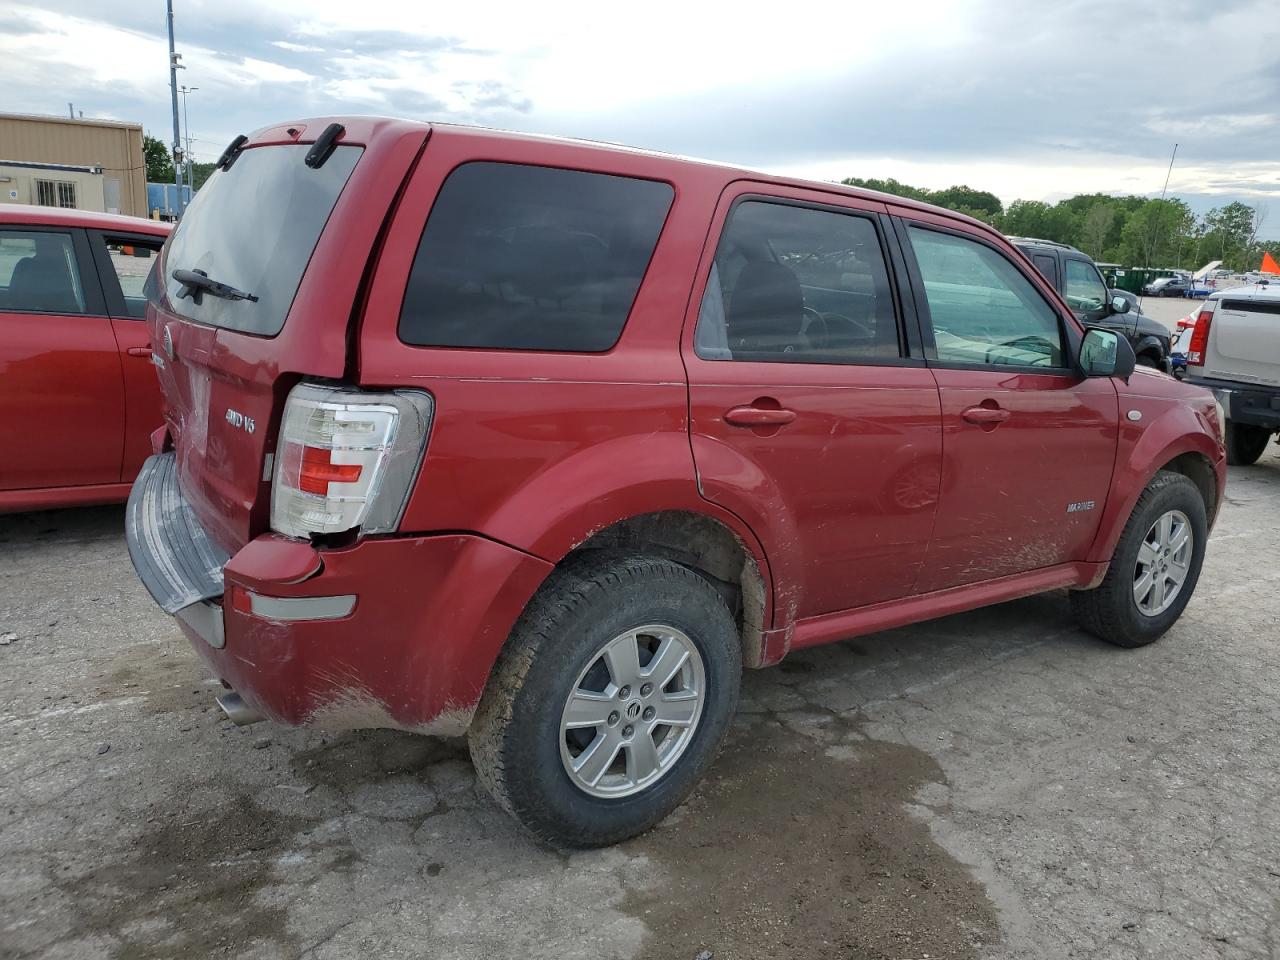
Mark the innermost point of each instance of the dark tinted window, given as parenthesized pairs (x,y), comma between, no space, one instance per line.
(1048,266)
(255,227)
(797,285)
(531,258)
(38,273)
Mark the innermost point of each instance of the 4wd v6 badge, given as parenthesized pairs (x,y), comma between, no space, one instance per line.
(240,421)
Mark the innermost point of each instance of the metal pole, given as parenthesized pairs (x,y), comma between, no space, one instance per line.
(173,95)
(186,124)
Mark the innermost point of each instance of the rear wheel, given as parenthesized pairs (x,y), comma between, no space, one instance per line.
(1154,569)
(1245,443)
(611,700)
(1147,360)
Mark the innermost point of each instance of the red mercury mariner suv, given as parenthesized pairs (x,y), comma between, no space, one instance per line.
(544,441)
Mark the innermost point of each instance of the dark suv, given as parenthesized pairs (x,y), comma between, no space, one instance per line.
(1076,277)
(544,441)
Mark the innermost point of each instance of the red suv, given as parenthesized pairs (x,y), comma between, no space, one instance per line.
(544,441)
(78,396)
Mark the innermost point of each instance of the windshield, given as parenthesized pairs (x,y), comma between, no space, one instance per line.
(253,227)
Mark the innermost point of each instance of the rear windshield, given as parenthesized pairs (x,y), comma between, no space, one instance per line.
(531,258)
(254,227)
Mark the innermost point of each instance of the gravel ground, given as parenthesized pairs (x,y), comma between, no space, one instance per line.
(991,785)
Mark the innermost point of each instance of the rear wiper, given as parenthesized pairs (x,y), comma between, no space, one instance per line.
(196,283)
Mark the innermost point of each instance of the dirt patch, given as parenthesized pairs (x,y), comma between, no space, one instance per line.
(358,757)
(785,852)
(187,887)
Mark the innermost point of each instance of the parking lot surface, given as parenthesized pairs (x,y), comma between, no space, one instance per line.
(996,784)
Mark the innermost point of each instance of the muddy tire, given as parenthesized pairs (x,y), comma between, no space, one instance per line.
(1245,443)
(1138,600)
(570,736)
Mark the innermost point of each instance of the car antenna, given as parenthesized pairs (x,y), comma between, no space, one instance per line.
(1151,245)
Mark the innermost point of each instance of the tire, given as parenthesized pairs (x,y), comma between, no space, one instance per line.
(1245,443)
(1146,360)
(1111,610)
(521,752)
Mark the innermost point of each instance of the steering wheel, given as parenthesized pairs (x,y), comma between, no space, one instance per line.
(813,319)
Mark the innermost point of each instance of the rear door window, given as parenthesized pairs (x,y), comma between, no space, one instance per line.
(130,260)
(796,284)
(39,273)
(531,258)
(254,227)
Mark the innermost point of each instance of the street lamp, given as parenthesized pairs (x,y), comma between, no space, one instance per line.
(186,125)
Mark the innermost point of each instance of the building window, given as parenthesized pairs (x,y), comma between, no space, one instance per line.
(56,193)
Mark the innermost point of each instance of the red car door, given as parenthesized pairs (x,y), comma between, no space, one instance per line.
(61,388)
(124,261)
(809,417)
(1029,445)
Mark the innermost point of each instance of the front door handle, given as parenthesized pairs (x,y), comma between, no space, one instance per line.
(139,351)
(758,417)
(986,416)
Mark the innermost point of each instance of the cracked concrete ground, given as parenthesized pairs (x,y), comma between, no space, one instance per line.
(994,785)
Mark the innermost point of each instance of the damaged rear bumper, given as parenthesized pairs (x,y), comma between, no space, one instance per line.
(388,632)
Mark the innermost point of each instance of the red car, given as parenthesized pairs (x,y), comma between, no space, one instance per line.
(544,441)
(78,394)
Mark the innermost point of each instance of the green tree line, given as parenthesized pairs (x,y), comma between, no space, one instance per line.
(1132,231)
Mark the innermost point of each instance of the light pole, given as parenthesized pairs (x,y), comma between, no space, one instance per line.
(174,67)
(186,125)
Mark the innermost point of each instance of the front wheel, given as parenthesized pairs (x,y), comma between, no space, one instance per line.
(1245,443)
(610,701)
(1154,569)
(1146,360)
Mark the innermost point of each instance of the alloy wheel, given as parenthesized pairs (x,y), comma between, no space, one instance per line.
(1164,559)
(632,711)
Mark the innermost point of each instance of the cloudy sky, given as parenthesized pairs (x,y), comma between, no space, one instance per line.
(1028,100)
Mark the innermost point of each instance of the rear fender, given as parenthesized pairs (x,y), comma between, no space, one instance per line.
(1166,431)
(578,497)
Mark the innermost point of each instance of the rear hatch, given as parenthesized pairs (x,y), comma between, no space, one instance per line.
(290,230)
(1245,340)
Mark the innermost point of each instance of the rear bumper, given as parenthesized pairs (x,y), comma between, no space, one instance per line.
(397,632)
(1258,406)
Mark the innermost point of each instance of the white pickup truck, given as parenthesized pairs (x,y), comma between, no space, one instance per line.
(1235,352)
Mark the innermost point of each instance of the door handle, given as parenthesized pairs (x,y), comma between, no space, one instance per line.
(986,416)
(758,417)
(139,351)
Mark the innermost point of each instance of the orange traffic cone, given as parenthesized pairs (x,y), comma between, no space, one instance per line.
(1269,264)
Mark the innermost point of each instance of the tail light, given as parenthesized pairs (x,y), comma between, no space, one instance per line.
(347,459)
(1200,335)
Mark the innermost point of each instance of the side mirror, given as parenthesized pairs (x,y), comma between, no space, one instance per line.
(1119,305)
(1104,353)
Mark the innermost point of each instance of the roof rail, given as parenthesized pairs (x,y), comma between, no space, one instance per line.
(1047,243)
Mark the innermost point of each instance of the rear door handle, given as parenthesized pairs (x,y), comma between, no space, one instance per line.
(758,417)
(139,351)
(986,416)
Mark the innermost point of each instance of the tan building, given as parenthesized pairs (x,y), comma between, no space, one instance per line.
(61,162)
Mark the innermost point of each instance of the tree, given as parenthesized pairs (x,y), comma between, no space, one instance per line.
(985,206)
(1025,218)
(159,161)
(1095,228)
(888,186)
(200,172)
(1230,230)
